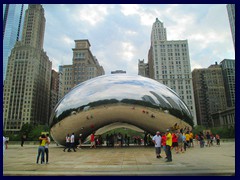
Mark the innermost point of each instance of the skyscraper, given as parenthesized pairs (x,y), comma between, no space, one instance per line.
(13,19)
(228,71)
(169,63)
(143,68)
(231,16)
(85,66)
(54,90)
(209,93)
(28,77)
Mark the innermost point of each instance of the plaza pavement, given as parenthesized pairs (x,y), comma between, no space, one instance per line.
(131,161)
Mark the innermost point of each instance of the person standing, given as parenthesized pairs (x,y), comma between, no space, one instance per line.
(67,139)
(187,139)
(92,139)
(24,137)
(185,144)
(191,139)
(107,140)
(72,143)
(218,139)
(125,139)
(168,146)
(201,139)
(157,141)
(175,142)
(208,139)
(164,144)
(80,142)
(41,148)
(5,145)
(180,142)
(119,140)
(47,147)
(145,139)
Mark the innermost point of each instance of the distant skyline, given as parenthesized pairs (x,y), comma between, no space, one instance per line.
(119,34)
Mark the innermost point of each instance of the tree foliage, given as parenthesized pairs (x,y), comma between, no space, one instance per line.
(224,132)
(32,132)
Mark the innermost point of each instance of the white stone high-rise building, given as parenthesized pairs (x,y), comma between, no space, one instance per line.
(169,63)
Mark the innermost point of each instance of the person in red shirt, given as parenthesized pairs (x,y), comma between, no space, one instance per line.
(92,139)
(175,142)
(196,138)
(164,143)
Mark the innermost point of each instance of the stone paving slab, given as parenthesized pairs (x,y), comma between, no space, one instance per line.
(21,161)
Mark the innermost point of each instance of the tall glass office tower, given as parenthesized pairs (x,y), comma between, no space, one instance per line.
(231,16)
(13,19)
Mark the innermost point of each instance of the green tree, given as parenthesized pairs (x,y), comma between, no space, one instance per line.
(36,132)
(198,129)
(26,129)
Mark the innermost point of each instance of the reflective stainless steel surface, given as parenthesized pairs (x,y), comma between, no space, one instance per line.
(135,100)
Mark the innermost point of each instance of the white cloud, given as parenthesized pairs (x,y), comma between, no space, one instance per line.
(92,14)
(127,51)
(129,9)
(120,34)
(67,40)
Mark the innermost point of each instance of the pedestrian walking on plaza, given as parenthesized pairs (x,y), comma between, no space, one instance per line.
(119,140)
(92,139)
(208,136)
(157,141)
(67,140)
(72,143)
(47,147)
(185,144)
(180,142)
(24,137)
(191,139)
(80,141)
(41,148)
(187,139)
(218,139)
(169,145)
(201,140)
(145,139)
(5,144)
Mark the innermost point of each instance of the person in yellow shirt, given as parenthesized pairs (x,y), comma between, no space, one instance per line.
(187,138)
(41,148)
(168,145)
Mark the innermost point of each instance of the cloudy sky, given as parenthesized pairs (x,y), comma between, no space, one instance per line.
(119,34)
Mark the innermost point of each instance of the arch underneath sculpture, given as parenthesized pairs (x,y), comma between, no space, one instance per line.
(117,125)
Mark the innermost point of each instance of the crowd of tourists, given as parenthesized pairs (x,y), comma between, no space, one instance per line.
(180,140)
(177,141)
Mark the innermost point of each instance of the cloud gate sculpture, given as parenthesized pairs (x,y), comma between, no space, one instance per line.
(118,100)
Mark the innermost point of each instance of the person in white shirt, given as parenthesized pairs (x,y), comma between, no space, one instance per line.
(67,139)
(5,146)
(46,147)
(72,143)
(157,140)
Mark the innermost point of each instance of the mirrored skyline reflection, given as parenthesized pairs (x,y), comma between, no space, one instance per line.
(121,88)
